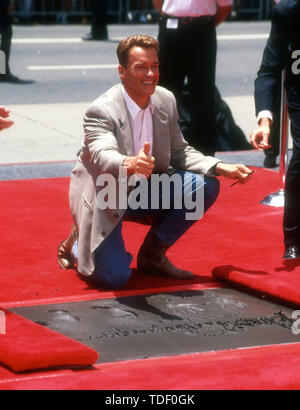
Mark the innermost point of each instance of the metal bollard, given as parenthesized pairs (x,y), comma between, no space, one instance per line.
(276,199)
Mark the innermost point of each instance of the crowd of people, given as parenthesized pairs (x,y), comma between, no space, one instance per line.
(143,126)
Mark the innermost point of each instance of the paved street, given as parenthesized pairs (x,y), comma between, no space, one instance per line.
(70,73)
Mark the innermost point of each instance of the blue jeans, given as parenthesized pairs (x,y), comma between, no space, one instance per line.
(112,261)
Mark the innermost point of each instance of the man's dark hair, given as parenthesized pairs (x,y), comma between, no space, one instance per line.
(134,41)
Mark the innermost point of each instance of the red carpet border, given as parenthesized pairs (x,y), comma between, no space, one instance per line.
(260,368)
(29,346)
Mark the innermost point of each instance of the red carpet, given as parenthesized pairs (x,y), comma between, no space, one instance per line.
(261,368)
(29,346)
(37,218)
(239,240)
(252,243)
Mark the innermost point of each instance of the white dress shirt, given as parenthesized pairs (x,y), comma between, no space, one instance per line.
(141,122)
(263,114)
(193,8)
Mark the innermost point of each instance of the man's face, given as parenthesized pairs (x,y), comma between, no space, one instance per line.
(140,76)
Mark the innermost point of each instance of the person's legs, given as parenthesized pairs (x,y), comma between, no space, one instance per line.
(6,36)
(291,220)
(189,51)
(172,65)
(291,223)
(99,30)
(112,262)
(196,189)
(201,63)
(272,152)
(172,223)
(25,9)
(99,19)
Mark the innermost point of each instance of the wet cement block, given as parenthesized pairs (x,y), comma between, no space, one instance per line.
(168,323)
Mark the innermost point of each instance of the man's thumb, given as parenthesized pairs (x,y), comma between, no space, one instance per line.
(147,148)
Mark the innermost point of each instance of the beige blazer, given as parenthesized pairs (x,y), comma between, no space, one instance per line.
(107,141)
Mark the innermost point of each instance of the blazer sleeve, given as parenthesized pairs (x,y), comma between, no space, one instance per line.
(100,143)
(268,81)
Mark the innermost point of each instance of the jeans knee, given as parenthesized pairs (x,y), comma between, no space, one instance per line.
(215,187)
(113,280)
(212,189)
(120,281)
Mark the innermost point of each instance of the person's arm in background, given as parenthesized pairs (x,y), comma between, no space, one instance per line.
(268,81)
(158,4)
(4,121)
(223,11)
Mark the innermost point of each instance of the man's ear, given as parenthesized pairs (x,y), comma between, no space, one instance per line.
(121,70)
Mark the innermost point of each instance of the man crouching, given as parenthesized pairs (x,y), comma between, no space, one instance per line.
(134,127)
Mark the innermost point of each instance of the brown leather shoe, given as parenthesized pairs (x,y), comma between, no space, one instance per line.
(65,257)
(152,260)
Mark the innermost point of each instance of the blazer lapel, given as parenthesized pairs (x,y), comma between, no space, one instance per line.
(161,133)
(161,138)
(125,124)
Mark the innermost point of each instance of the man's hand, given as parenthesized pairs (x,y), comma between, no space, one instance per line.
(234,171)
(142,164)
(4,122)
(259,138)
